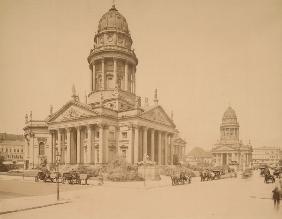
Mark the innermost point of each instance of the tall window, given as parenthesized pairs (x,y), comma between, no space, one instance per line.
(41,148)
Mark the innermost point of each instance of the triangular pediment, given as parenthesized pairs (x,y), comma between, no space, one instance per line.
(72,111)
(223,148)
(157,114)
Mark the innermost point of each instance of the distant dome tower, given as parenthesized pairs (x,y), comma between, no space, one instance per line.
(229,128)
(112,64)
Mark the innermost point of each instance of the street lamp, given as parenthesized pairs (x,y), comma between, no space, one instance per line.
(58,157)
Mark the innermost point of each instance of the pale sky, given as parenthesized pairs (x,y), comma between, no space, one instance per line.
(202,55)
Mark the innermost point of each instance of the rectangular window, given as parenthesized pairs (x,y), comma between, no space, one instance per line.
(97,134)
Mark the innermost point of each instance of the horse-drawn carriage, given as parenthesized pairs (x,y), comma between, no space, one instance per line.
(71,177)
(268,178)
(45,175)
(210,175)
(278,172)
(74,177)
(180,178)
(264,170)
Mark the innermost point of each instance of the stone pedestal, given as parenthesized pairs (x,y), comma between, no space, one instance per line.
(151,172)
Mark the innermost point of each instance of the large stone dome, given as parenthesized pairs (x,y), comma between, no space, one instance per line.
(113,20)
(229,116)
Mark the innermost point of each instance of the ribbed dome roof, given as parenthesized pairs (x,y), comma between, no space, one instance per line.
(229,115)
(113,20)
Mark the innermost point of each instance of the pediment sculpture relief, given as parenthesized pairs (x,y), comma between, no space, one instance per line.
(156,116)
(72,114)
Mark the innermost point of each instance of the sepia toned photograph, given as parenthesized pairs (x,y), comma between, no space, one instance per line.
(130,109)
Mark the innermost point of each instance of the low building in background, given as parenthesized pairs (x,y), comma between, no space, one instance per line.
(200,157)
(266,156)
(12,148)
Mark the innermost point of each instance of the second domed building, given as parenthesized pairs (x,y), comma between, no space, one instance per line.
(230,150)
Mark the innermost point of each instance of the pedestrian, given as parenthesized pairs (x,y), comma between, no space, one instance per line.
(276,197)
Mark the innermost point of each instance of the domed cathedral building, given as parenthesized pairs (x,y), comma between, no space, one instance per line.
(229,149)
(111,121)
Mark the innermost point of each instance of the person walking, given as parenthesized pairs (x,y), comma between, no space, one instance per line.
(276,197)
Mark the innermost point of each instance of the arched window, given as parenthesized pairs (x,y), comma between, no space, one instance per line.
(41,148)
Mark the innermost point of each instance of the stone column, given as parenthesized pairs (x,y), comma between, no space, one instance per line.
(101,143)
(159,148)
(136,144)
(78,148)
(103,74)
(91,78)
(145,146)
(134,80)
(126,77)
(54,147)
(49,152)
(115,78)
(94,77)
(153,145)
(117,139)
(89,145)
(129,158)
(59,148)
(59,141)
(165,148)
(106,145)
(68,145)
(130,82)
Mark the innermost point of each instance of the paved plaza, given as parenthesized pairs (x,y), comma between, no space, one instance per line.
(226,198)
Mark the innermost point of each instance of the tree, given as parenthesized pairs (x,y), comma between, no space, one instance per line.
(3,168)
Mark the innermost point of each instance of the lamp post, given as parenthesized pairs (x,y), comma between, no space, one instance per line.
(58,157)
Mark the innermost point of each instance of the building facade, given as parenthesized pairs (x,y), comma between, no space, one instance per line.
(266,155)
(112,121)
(230,150)
(11,148)
(200,157)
